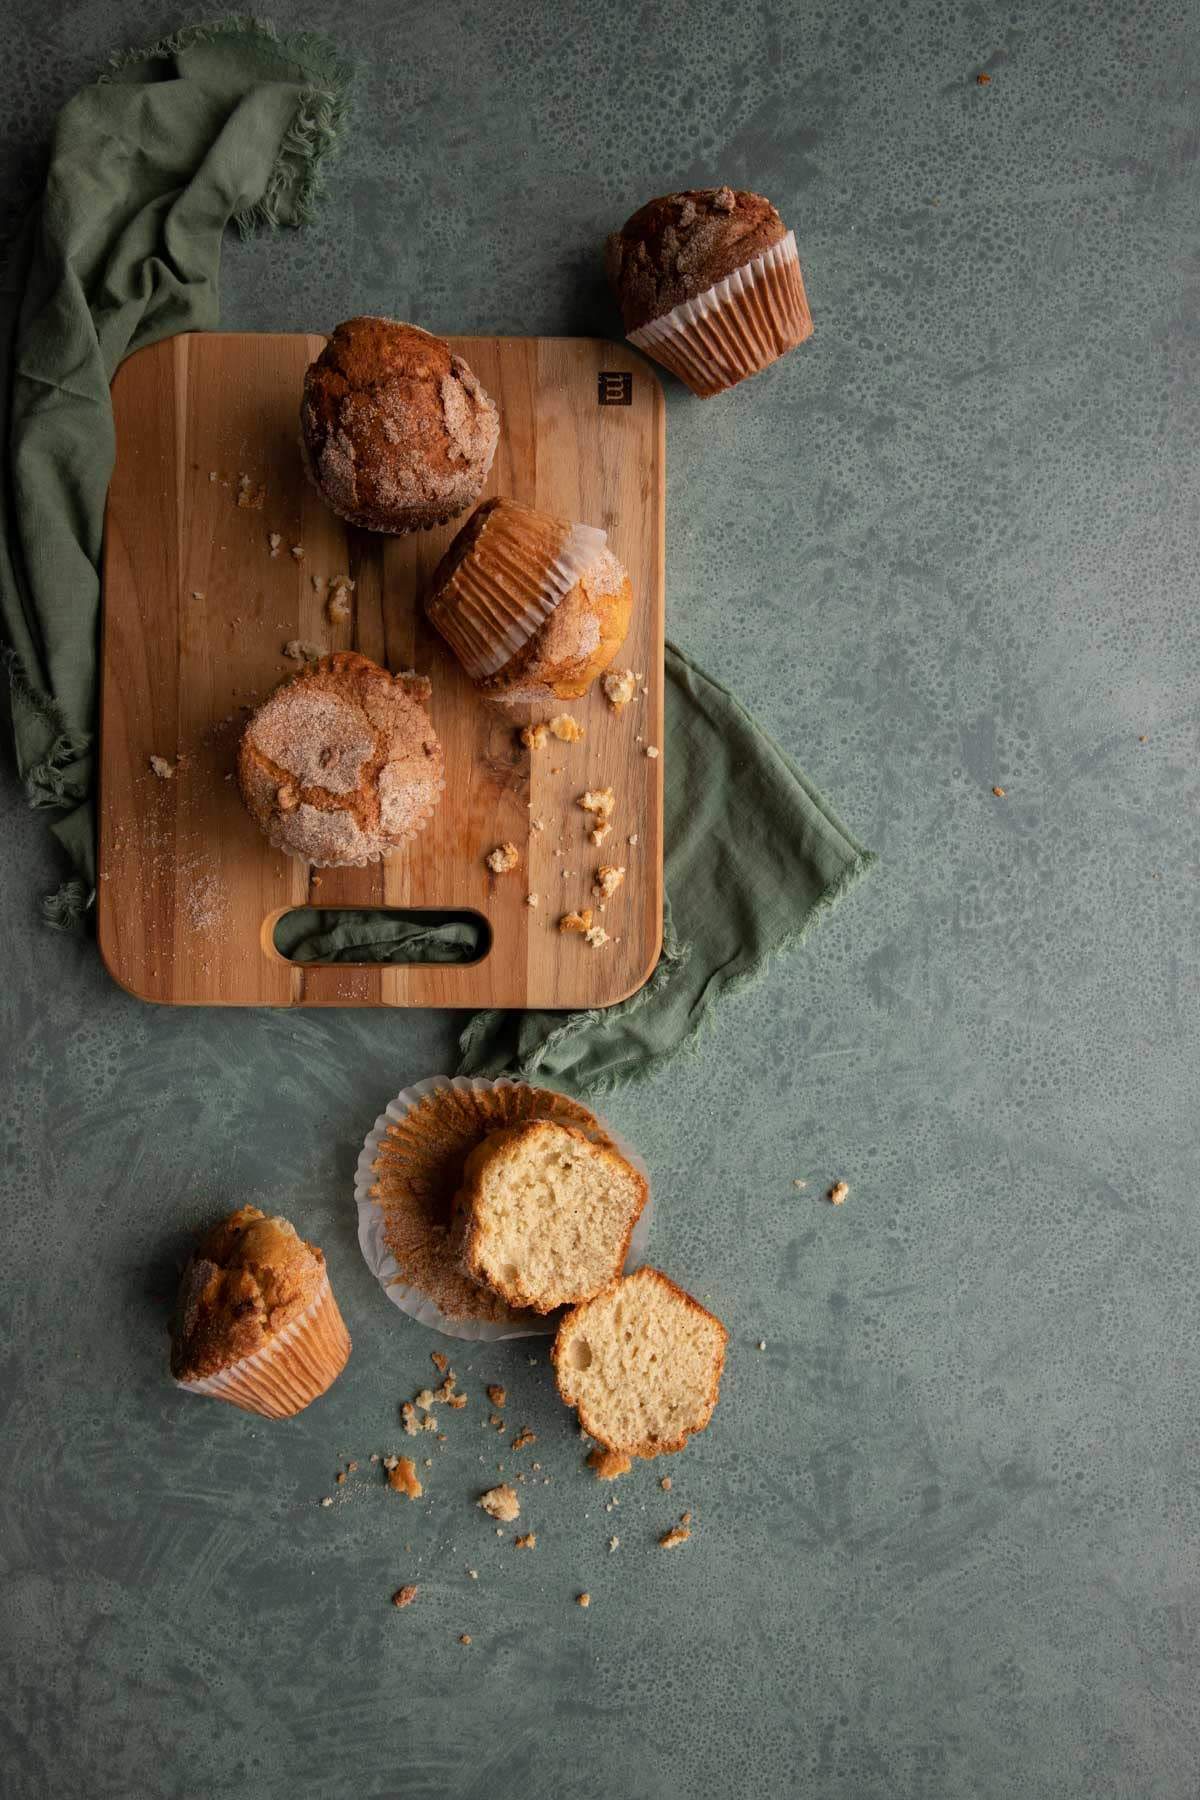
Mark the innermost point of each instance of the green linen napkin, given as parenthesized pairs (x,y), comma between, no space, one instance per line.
(753,858)
(222,122)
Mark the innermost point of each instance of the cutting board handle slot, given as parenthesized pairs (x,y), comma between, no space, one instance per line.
(376,936)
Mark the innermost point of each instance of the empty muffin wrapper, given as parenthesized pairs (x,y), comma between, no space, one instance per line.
(378,1254)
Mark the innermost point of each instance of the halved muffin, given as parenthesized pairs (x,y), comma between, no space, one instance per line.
(547,1214)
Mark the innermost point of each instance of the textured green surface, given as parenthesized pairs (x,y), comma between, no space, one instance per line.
(948,1519)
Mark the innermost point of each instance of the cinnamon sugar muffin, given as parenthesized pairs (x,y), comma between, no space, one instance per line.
(396,431)
(256,1322)
(533,607)
(342,764)
(709,284)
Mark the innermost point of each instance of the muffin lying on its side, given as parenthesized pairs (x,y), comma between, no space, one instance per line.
(547,1214)
(641,1363)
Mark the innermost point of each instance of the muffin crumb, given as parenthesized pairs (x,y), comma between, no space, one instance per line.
(298,552)
(999,793)
(678,1534)
(577,921)
(404,1596)
(533,899)
(503,858)
(439,1361)
(299,650)
(528,1542)
(274,543)
(339,606)
(403,1478)
(583,1599)
(651,751)
(614,1543)
(598,833)
(607,880)
(524,1438)
(465,1638)
(567,729)
(534,736)
(838,1192)
(598,800)
(162,768)
(501,1503)
(496,1394)
(665,1484)
(596,937)
(608,1464)
(619,688)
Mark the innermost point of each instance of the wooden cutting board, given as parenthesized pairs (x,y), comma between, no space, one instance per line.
(197,611)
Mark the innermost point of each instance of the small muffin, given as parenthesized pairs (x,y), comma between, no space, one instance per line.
(709,285)
(533,607)
(256,1322)
(342,764)
(547,1214)
(395,429)
(641,1363)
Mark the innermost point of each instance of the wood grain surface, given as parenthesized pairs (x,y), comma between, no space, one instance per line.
(197,611)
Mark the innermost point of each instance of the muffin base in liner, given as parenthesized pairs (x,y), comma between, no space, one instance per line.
(508,584)
(294,1369)
(377,1253)
(735,328)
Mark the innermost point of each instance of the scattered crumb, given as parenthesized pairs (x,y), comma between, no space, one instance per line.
(537,824)
(598,800)
(212,474)
(665,1484)
(533,899)
(608,879)
(524,1438)
(274,543)
(567,729)
(439,1361)
(408,1414)
(608,1464)
(633,837)
(501,1502)
(464,1639)
(534,736)
(403,1478)
(619,687)
(983,80)
(598,833)
(196,594)
(799,1184)
(583,1599)
(299,650)
(503,858)
(298,552)
(352,1468)
(162,768)
(762,1343)
(338,607)
(473,1574)
(652,751)
(614,1543)
(496,1394)
(678,1534)
(404,1596)
(577,921)
(328,1500)
(838,1192)
(456,1401)
(319,583)
(496,1421)
(596,936)
(528,1542)
(340,1478)
(999,793)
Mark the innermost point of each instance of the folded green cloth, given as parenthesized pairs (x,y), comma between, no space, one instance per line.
(220,123)
(753,857)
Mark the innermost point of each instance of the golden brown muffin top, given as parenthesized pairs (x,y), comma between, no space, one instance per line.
(676,246)
(245,1281)
(342,764)
(397,431)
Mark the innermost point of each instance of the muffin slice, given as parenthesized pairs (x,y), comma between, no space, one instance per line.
(641,1363)
(547,1214)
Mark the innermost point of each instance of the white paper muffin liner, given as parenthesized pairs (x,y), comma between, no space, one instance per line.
(736,327)
(294,1369)
(382,1263)
(491,621)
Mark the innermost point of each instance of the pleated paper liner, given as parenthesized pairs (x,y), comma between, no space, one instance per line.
(501,579)
(409,1171)
(292,1371)
(736,327)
